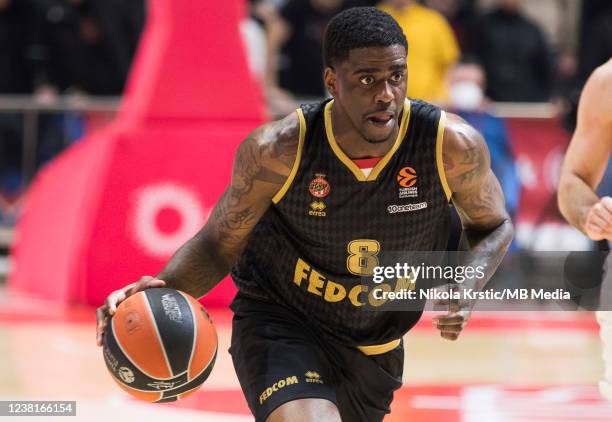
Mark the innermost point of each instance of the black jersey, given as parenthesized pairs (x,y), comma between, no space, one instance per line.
(330,222)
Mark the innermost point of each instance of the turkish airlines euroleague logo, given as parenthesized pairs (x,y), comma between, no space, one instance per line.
(407,177)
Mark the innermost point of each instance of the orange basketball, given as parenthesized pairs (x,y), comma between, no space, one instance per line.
(160,345)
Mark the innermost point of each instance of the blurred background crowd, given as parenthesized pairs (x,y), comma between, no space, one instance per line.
(62,61)
(52,50)
(528,51)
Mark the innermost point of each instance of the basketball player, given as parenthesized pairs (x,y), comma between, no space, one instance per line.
(315,200)
(585,163)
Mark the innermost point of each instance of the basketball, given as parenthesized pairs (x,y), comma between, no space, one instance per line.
(160,345)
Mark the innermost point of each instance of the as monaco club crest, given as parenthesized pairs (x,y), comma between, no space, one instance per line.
(319,187)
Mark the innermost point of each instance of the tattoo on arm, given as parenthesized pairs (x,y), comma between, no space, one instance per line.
(476,191)
(449,162)
(261,166)
(473,162)
(477,195)
(479,206)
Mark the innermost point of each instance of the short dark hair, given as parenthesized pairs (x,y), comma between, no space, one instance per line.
(360,27)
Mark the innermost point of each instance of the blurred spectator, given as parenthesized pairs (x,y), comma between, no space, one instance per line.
(467,86)
(14,79)
(567,89)
(295,38)
(460,14)
(79,47)
(591,12)
(263,16)
(85,45)
(252,29)
(597,44)
(594,49)
(432,48)
(515,55)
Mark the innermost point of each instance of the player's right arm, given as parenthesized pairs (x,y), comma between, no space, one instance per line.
(587,158)
(261,167)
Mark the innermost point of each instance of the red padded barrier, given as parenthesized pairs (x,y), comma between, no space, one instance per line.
(116,205)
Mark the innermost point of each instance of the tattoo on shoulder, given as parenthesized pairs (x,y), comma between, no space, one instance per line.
(476,191)
(261,166)
(266,155)
(473,162)
(464,156)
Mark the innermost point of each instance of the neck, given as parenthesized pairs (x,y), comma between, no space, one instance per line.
(350,140)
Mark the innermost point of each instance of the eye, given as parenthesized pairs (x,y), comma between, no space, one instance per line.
(367,80)
(397,77)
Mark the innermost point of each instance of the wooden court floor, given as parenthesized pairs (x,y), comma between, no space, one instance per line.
(507,367)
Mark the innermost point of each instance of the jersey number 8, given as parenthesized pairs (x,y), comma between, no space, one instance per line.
(362,256)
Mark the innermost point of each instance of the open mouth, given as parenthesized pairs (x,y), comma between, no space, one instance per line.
(381,119)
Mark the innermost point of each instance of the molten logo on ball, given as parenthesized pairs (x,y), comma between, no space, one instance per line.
(407,177)
(171,308)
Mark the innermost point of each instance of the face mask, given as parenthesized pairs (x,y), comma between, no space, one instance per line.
(466,96)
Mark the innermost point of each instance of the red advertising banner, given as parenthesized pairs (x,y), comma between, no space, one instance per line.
(539,147)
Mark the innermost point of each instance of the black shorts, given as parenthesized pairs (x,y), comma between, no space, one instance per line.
(278,358)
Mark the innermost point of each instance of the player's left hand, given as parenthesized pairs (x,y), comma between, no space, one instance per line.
(459,311)
(598,224)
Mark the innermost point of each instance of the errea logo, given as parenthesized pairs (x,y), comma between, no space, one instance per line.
(317,209)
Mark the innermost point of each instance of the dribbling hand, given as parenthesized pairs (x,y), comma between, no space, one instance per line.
(115,298)
(598,225)
(459,311)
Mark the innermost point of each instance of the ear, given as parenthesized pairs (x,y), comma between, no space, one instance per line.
(331,81)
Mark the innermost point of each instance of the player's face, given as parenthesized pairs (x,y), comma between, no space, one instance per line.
(370,88)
